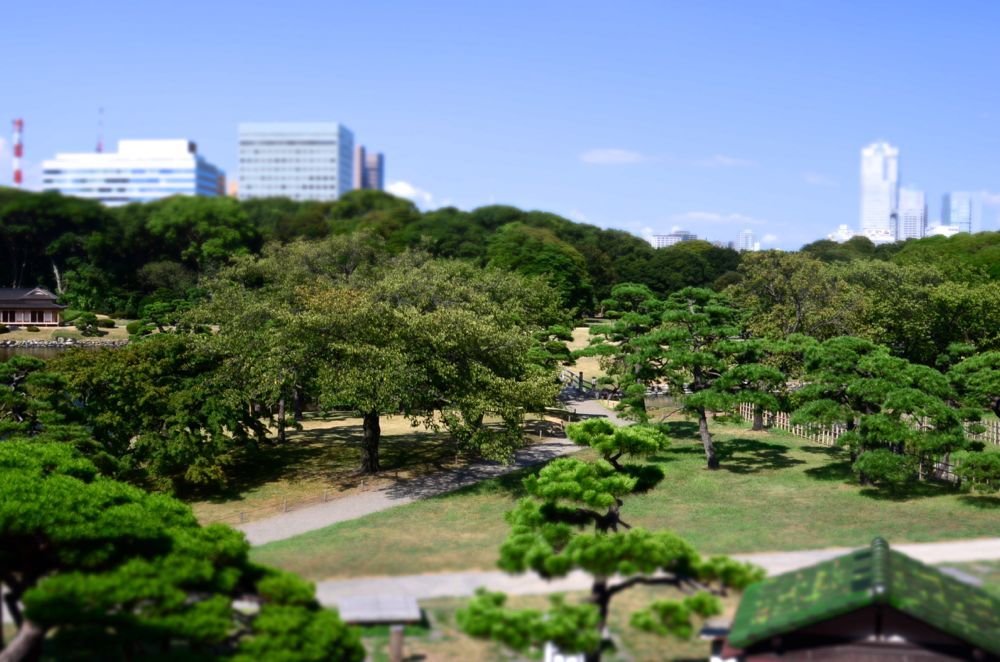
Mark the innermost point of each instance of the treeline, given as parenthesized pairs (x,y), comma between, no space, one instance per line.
(118,260)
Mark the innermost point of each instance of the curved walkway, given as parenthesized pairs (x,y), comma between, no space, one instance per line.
(463,584)
(286,525)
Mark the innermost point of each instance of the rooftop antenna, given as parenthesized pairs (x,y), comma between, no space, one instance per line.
(100,130)
(18,151)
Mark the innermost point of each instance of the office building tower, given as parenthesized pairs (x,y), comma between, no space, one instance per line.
(140,171)
(911,217)
(297,160)
(879,191)
(369,169)
(747,242)
(675,237)
(958,209)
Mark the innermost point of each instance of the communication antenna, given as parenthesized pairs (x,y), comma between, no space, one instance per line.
(18,151)
(100,130)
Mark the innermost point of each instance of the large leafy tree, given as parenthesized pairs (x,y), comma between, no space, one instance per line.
(572,520)
(105,570)
(162,408)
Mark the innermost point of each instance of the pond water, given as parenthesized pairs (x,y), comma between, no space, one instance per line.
(39,352)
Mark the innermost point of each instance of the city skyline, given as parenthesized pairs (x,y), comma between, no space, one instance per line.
(617,118)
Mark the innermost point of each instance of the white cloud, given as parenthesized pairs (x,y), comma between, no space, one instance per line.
(716,218)
(990,198)
(612,156)
(725,161)
(410,192)
(769,239)
(819,179)
(578,216)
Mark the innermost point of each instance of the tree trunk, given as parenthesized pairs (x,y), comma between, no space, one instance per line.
(706,439)
(26,644)
(369,443)
(281,421)
(297,403)
(600,596)
(758,418)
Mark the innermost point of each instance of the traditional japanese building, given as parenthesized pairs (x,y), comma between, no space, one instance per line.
(874,604)
(35,306)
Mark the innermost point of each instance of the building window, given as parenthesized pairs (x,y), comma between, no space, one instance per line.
(37,316)
(7,316)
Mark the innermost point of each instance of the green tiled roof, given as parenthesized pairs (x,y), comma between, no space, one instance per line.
(873,575)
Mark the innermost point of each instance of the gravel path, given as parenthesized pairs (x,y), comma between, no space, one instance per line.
(402,492)
(463,584)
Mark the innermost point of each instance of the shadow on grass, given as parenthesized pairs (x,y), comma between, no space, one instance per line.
(647,476)
(839,471)
(744,456)
(981,501)
(908,491)
(679,429)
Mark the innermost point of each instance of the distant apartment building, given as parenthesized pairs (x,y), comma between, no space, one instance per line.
(911,216)
(675,237)
(958,209)
(841,234)
(297,160)
(747,241)
(369,169)
(140,171)
(879,191)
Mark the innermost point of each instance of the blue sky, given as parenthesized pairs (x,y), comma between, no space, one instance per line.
(710,116)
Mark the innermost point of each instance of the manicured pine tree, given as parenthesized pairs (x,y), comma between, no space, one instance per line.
(572,520)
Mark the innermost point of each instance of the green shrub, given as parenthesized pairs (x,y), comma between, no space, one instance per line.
(4,328)
(71,314)
(106,323)
(980,471)
(32,328)
(87,324)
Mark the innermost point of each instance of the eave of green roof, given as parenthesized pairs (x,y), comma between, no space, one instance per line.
(868,576)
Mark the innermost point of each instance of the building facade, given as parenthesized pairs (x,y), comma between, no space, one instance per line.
(675,237)
(879,191)
(958,209)
(911,218)
(369,169)
(140,171)
(31,306)
(747,241)
(297,160)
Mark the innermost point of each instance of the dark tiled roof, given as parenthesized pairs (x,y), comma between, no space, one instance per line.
(869,576)
(17,297)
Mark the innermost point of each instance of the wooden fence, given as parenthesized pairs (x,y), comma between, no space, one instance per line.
(943,469)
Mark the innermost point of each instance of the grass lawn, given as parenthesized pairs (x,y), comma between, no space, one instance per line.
(47,333)
(589,365)
(774,492)
(325,455)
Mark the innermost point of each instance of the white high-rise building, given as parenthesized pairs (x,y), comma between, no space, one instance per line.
(879,191)
(675,237)
(297,160)
(747,242)
(911,221)
(140,171)
(959,209)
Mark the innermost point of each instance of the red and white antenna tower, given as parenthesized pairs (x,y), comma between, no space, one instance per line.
(18,151)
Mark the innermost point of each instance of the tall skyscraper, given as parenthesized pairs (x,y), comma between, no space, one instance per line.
(369,169)
(140,171)
(912,214)
(879,191)
(958,209)
(297,160)
(747,242)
